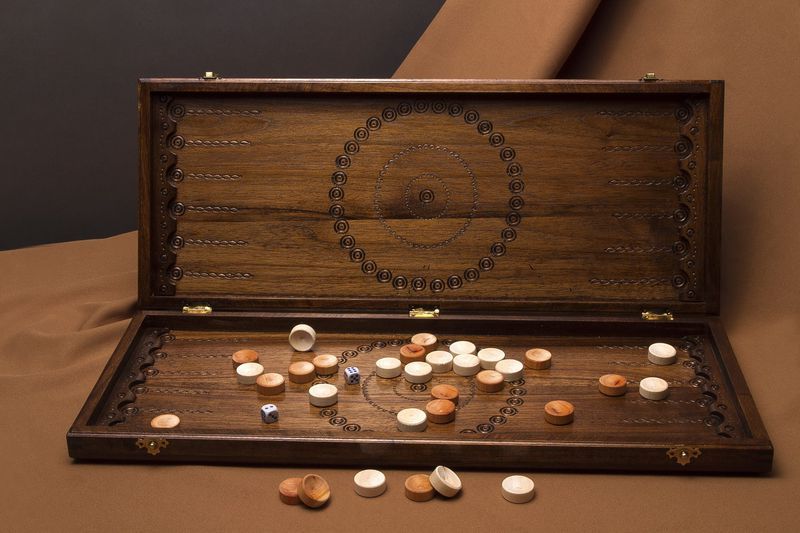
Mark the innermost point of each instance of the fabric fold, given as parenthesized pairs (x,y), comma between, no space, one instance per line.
(500,39)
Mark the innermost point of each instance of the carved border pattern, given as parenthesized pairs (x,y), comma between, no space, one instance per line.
(711,393)
(168,242)
(165,195)
(690,184)
(140,368)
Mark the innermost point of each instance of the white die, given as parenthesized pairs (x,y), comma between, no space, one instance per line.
(352,376)
(269,413)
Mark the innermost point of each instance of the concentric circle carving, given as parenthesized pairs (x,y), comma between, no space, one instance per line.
(445,188)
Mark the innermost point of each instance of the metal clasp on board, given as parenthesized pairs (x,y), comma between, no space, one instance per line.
(152,445)
(683,455)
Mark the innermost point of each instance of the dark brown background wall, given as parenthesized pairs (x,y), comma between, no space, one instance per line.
(68,130)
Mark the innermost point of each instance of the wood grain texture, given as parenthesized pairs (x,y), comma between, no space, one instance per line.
(180,364)
(466,195)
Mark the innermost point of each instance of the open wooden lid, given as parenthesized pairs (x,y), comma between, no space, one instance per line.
(470,196)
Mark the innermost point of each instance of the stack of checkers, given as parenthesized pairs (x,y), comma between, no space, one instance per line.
(311,490)
(423,487)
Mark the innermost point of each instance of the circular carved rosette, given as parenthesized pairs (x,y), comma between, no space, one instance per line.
(450,168)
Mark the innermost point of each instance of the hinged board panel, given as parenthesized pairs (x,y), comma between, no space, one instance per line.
(560,196)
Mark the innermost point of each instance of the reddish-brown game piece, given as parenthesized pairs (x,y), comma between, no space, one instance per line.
(559,412)
(287,490)
(489,381)
(270,383)
(613,385)
(301,372)
(427,340)
(165,421)
(314,491)
(410,353)
(440,411)
(326,365)
(538,358)
(444,391)
(244,356)
(418,488)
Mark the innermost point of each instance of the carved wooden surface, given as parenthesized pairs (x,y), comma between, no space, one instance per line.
(190,374)
(182,365)
(467,201)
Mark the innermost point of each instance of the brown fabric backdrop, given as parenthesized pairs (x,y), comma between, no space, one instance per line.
(65,306)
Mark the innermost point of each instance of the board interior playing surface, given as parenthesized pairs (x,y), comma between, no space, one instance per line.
(189,373)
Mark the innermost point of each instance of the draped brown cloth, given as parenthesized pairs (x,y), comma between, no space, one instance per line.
(65,306)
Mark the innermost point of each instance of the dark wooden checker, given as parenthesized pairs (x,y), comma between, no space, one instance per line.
(529,214)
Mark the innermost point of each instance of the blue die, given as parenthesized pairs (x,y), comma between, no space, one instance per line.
(352,376)
(269,413)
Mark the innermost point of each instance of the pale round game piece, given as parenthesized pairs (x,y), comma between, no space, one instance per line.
(165,421)
(444,391)
(244,356)
(418,488)
(489,381)
(538,358)
(661,353)
(412,352)
(388,367)
(326,364)
(490,357)
(511,369)
(559,412)
(465,364)
(426,340)
(314,491)
(412,419)
(417,372)
(653,388)
(369,483)
(247,373)
(517,489)
(460,347)
(270,383)
(301,372)
(302,337)
(323,395)
(440,411)
(287,490)
(613,385)
(440,361)
(445,481)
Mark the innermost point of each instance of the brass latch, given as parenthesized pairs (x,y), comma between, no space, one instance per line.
(209,75)
(657,315)
(197,309)
(683,455)
(421,312)
(152,445)
(649,76)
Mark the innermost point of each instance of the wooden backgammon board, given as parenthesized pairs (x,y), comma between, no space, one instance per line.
(578,217)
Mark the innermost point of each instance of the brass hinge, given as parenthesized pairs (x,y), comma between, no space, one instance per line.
(210,75)
(683,455)
(657,315)
(152,445)
(649,76)
(421,312)
(197,309)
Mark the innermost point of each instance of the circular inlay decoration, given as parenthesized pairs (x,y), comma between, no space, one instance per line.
(424,182)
